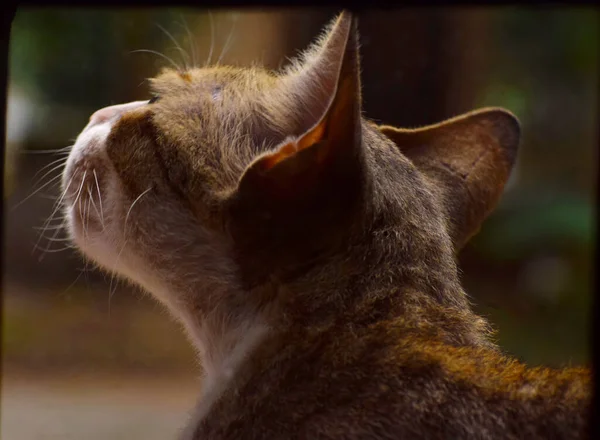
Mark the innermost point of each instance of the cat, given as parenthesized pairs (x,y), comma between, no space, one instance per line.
(310,253)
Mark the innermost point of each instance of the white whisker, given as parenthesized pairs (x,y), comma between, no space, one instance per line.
(53,251)
(56,168)
(47,196)
(57,206)
(212,38)
(64,150)
(35,192)
(86,211)
(131,207)
(54,239)
(78,202)
(184,56)
(191,40)
(111,292)
(170,60)
(229,39)
(49,228)
(99,198)
(62,160)
(71,285)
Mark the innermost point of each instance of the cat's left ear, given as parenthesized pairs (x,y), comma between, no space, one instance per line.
(469,158)
(323,95)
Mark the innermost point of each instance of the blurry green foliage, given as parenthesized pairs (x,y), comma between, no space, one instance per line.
(543,67)
(565,222)
(98,45)
(546,59)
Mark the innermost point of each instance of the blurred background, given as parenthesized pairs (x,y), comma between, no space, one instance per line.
(85,356)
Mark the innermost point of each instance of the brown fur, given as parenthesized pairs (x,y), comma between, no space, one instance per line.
(273,204)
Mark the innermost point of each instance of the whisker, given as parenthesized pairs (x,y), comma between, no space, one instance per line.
(89,208)
(99,198)
(229,39)
(212,38)
(71,285)
(131,207)
(47,196)
(143,81)
(56,207)
(112,291)
(57,167)
(49,228)
(86,261)
(42,235)
(77,198)
(61,160)
(113,272)
(86,214)
(184,56)
(55,228)
(191,40)
(81,272)
(81,213)
(35,192)
(54,239)
(53,251)
(170,60)
(64,150)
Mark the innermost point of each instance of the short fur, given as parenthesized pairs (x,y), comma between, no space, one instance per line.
(310,253)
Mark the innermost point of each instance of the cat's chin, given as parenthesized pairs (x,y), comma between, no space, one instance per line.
(90,233)
(86,200)
(89,243)
(91,190)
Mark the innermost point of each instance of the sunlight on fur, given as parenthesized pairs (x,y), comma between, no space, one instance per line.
(311,253)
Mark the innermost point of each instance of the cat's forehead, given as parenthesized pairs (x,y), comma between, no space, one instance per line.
(216,107)
(212,81)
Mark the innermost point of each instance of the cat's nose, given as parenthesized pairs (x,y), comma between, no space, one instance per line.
(107,113)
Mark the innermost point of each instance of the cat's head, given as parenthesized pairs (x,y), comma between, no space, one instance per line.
(243,174)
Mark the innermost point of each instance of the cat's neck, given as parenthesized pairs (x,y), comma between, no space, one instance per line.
(349,289)
(352,291)
(224,348)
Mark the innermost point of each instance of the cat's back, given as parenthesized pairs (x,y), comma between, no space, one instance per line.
(368,383)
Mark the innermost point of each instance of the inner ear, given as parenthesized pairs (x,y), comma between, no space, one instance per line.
(331,145)
(293,146)
(469,158)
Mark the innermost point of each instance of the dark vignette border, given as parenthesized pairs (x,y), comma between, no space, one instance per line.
(9,8)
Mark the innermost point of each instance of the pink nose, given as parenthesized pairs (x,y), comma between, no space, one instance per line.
(108,113)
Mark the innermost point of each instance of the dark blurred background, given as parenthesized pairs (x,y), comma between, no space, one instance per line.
(93,358)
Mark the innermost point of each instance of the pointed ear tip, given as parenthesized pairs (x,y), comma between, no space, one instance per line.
(507,127)
(349,17)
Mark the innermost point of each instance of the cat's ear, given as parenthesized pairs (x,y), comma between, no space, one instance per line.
(469,158)
(325,91)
